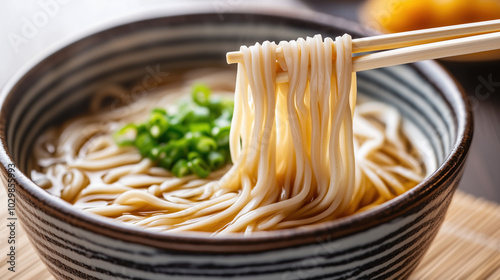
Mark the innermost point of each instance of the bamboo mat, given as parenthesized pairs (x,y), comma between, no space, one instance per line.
(467,246)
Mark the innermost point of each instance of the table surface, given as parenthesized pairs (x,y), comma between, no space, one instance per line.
(481,81)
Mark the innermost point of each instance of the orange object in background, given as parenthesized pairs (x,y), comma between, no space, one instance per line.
(390,16)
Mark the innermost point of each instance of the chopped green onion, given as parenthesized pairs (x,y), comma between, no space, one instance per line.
(200,94)
(200,127)
(155,152)
(157,124)
(199,167)
(222,122)
(215,106)
(192,155)
(141,128)
(205,145)
(176,153)
(193,140)
(193,137)
(126,135)
(145,143)
(159,111)
(181,168)
(216,159)
(184,112)
(166,162)
(175,132)
(227,108)
(172,152)
(222,137)
(198,114)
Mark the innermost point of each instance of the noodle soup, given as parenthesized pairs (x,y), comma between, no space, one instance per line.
(386,241)
(301,153)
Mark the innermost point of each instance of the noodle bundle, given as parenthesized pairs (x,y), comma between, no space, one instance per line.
(301,153)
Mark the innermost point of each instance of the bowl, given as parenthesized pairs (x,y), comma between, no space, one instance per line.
(385,242)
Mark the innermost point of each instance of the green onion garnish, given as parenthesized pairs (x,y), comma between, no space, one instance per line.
(181,168)
(199,167)
(195,140)
(216,159)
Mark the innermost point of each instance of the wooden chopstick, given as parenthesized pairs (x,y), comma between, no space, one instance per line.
(423,36)
(417,45)
(460,46)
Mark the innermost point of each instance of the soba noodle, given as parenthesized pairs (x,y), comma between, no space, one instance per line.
(301,154)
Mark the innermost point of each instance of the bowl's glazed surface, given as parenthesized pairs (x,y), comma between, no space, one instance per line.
(383,243)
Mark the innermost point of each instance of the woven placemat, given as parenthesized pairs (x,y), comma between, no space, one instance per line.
(467,246)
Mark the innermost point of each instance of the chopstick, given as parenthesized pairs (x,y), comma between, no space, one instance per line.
(423,36)
(417,45)
(460,46)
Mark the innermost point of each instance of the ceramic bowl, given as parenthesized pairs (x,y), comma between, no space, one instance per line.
(386,242)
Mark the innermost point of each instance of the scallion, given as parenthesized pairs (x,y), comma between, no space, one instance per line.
(199,167)
(194,140)
(181,168)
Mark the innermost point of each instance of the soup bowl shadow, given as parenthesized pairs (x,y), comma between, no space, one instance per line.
(385,242)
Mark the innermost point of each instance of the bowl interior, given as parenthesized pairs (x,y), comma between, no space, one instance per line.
(60,85)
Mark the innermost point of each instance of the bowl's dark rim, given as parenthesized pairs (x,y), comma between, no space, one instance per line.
(201,242)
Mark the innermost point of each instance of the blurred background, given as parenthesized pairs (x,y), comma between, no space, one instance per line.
(28,28)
